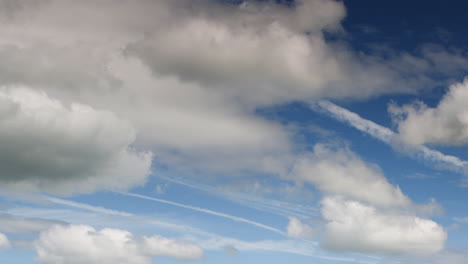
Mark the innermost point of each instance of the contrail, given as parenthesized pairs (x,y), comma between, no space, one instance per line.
(386,135)
(277,207)
(206,211)
(87,207)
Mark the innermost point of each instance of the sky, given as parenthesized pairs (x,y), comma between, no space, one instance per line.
(230,131)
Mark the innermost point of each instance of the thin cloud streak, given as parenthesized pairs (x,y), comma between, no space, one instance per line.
(207,211)
(86,207)
(387,136)
(276,207)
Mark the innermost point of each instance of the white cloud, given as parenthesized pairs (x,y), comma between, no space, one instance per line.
(354,226)
(447,123)
(297,229)
(49,146)
(344,173)
(82,244)
(4,242)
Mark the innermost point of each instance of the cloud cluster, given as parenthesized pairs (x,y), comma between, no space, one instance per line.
(48,146)
(447,123)
(362,210)
(84,245)
(91,92)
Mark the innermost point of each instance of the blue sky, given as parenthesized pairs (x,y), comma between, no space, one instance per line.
(209,131)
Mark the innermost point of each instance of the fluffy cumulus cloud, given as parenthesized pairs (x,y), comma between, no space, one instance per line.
(49,146)
(342,172)
(447,123)
(80,244)
(297,229)
(354,226)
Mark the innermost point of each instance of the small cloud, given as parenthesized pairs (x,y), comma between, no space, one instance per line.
(161,189)
(231,251)
(299,230)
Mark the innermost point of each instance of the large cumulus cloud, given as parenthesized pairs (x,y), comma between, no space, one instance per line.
(47,146)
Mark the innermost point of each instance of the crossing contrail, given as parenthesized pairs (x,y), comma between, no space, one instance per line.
(206,211)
